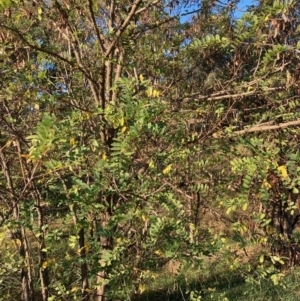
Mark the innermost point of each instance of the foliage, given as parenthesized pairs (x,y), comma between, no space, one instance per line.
(132,139)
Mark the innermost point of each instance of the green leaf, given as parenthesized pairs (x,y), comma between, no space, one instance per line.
(4,4)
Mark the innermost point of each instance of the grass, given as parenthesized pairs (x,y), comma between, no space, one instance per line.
(217,283)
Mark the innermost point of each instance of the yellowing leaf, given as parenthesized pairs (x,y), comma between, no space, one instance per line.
(261,258)
(276,258)
(266,184)
(124,128)
(40,11)
(87,115)
(45,264)
(141,77)
(121,120)
(149,92)
(243,229)
(141,288)
(18,242)
(72,141)
(283,171)
(245,206)
(228,210)
(87,246)
(192,226)
(104,157)
(159,253)
(167,169)
(152,92)
(36,106)
(102,263)
(156,93)
(48,262)
(151,164)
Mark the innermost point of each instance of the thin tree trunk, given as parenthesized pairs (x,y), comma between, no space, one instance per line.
(83,266)
(27,288)
(105,243)
(283,223)
(19,235)
(44,271)
(82,247)
(27,258)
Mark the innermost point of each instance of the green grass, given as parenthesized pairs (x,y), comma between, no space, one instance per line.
(221,285)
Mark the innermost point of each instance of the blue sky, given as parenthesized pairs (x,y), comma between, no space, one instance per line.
(241,8)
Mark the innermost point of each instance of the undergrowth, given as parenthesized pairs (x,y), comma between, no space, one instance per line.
(214,283)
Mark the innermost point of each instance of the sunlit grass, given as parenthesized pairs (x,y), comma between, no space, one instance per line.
(215,281)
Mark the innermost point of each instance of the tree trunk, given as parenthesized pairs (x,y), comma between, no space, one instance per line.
(44,271)
(83,266)
(105,243)
(283,224)
(27,287)
(19,235)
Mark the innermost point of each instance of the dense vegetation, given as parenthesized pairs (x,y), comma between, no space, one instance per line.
(139,138)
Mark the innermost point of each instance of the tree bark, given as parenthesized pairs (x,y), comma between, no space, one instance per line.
(105,243)
(19,235)
(83,266)
(44,271)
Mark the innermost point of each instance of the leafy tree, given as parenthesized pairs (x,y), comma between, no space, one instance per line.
(94,151)
(122,125)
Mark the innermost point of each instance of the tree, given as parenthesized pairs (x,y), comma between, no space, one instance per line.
(122,125)
(81,117)
(258,97)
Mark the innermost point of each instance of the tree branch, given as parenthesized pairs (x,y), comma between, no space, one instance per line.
(47,51)
(217,96)
(123,26)
(98,33)
(261,128)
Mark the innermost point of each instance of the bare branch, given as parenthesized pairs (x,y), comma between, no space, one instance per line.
(261,128)
(47,51)
(98,33)
(123,26)
(147,6)
(217,96)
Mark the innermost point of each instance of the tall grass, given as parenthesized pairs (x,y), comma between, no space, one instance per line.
(220,284)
